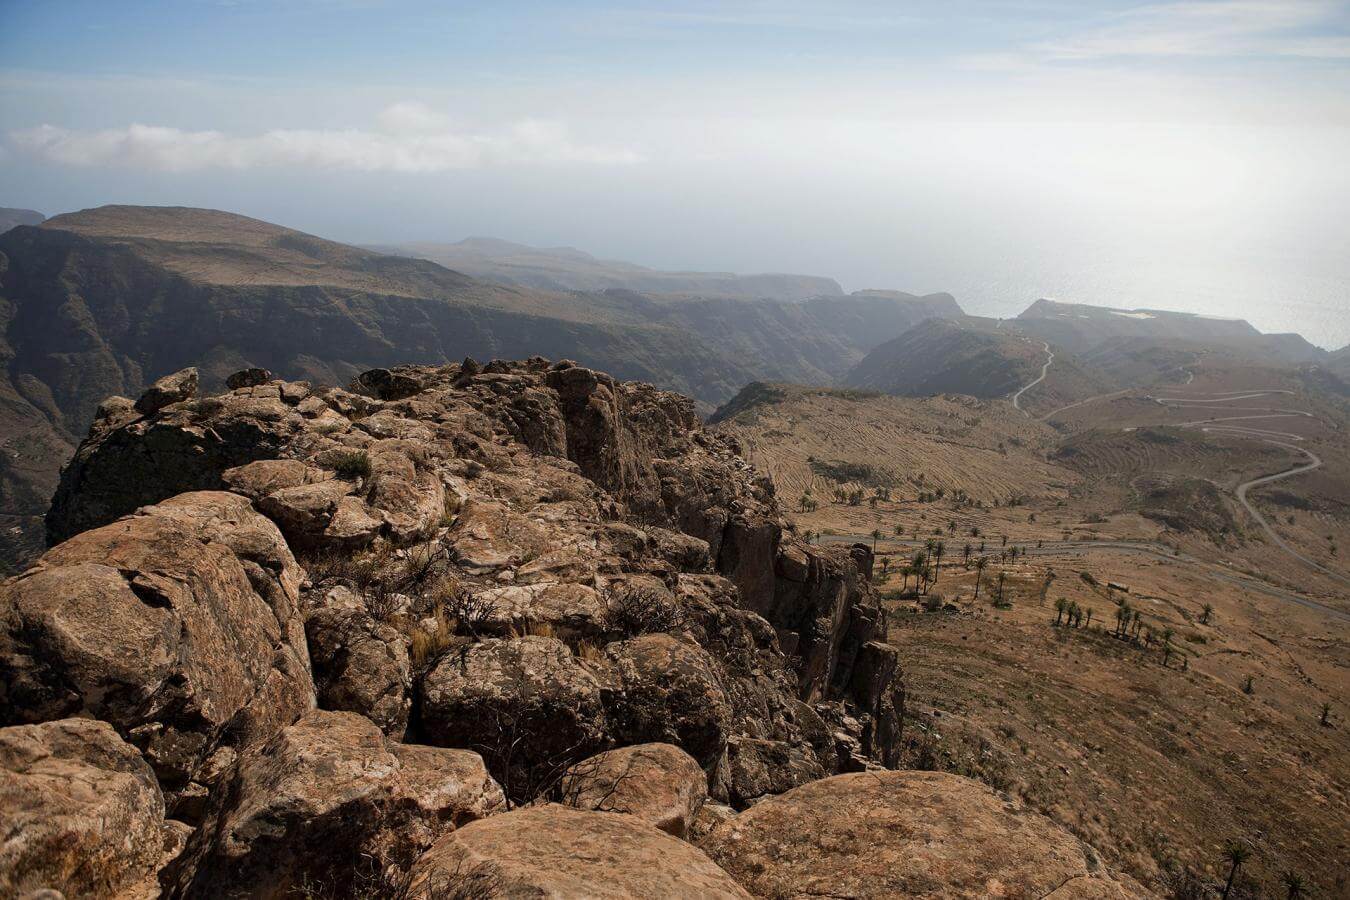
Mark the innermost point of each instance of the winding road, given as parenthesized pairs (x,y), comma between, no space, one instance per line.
(1017,397)
(1217,424)
(1265,435)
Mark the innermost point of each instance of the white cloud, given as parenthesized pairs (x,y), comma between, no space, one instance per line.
(412,139)
(412,117)
(1210,28)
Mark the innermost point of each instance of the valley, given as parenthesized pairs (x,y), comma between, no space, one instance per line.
(1211,503)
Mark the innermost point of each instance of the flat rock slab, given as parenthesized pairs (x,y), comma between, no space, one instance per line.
(556,851)
(904,834)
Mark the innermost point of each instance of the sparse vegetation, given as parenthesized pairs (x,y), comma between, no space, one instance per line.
(351,464)
(638,609)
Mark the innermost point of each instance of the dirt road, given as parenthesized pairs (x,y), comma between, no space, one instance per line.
(1017,397)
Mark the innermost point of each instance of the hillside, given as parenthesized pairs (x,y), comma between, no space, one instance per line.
(1339,362)
(975,356)
(10,218)
(568,269)
(819,441)
(1078,328)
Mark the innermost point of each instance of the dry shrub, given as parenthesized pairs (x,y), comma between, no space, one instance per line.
(638,609)
(589,652)
(534,629)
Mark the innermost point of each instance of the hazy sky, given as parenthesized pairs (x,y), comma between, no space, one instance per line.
(1182,155)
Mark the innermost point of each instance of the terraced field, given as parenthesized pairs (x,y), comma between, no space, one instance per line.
(1122,455)
(843,440)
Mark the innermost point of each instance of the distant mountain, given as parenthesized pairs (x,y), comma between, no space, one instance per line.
(1339,361)
(976,356)
(568,269)
(1079,328)
(9,218)
(104,301)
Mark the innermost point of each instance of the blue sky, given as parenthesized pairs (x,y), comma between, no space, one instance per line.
(998,150)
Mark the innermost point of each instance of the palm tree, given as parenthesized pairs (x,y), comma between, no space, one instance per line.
(938,547)
(1001,576)
(876,536)
(1208,611)
(1060,606)
(1167,645)
(965,555)
(1089,617)
(1293,885)
(1326,715)
(980,563)
(1236,853)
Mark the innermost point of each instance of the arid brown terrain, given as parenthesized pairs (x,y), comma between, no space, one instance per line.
(1223,717)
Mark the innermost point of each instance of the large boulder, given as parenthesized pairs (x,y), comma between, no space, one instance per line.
(667,690)
(174,388)
(330,801)
(556,851)
(80,811)
(658,783)
(527,704)
(904,834)
(247,378)
(158,625)
(125,464)
(360,665)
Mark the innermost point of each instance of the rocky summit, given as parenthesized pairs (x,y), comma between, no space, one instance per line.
(504,630)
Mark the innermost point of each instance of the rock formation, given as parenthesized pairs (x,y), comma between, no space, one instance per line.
(502,586)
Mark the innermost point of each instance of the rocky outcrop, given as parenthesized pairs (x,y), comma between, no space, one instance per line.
(556,851)
(905,834)
(80,810)
(175,388)
(500,582)
(550,487)
(330,804)
(658,783)
(158,625)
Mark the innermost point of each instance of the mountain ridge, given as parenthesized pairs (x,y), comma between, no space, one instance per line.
(104,301)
